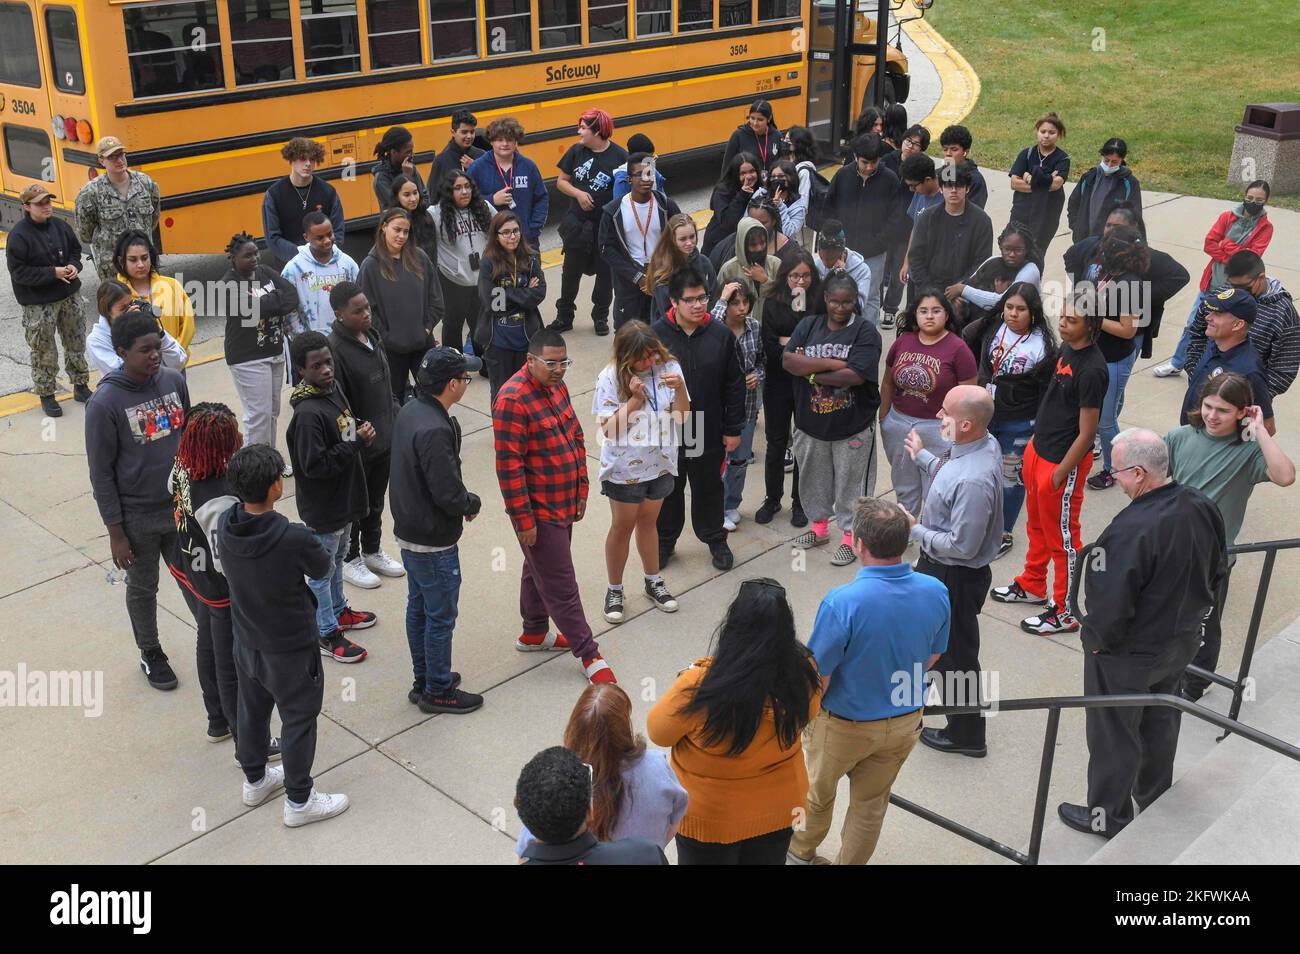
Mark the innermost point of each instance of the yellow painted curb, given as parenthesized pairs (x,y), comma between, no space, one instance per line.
(961,86)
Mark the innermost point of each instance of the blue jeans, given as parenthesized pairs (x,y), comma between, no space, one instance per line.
(1012,437)
(737,467)
(1180,353)
(432,597)
(330,601)
(877,265)
(1114,403)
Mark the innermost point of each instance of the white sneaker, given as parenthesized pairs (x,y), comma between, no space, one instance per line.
(358,574)
(1166,370)
(288,470)
(381,563)
(318,808)
(730,520)
(271,783)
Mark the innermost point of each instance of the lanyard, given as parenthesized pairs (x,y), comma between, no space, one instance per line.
(762,148)
(1000,355)
(505,181)
(652,396)
(649,219)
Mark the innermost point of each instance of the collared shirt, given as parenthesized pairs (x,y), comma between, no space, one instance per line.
(1240,359)
(586,850)
(104,216)
(750,348)
(962,515)
(874,638)
(541,456)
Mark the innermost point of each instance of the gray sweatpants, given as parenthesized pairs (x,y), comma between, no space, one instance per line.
(909,483)
(258,383)
(836,474)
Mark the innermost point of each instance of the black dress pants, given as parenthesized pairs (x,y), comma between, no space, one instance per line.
(967,589)
(704,473)
(1207,657)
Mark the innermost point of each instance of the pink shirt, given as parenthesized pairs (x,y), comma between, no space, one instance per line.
(924,374)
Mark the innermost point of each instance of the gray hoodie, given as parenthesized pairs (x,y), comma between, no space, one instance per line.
(405,311)
(132,433)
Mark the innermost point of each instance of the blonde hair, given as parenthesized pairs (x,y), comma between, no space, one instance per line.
(667,258)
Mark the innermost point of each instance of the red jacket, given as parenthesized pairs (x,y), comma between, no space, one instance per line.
(541,456)
(1220,249)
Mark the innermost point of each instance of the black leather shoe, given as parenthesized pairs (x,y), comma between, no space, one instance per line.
(561,325)
(50,405)
(766,512)
(602,328)
(938,740)
(1079,817)
(722,556)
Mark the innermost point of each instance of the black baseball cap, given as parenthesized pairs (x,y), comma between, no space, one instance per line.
(1236,301)
(442,364)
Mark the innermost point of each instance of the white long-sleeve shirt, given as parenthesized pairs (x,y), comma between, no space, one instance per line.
(987,299)
(99,348)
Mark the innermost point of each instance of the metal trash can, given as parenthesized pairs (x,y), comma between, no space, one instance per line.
(1268,147)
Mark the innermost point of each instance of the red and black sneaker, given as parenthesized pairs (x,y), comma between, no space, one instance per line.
(341,649)
(356,619)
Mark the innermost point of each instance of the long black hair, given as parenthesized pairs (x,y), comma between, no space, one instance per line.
(995,268)
(423,232)
(781,290)
(730,181)
(907,319)
(447,210)
(803,145)
(1033,299)
(758,663)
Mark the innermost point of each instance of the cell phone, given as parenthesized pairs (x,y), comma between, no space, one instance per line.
(473,261)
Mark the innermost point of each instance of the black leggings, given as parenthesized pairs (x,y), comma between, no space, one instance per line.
(460,309)
(778,410)
(402,365)
(365,534)
(766,849)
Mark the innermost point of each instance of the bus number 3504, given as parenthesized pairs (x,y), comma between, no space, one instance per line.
(739,49)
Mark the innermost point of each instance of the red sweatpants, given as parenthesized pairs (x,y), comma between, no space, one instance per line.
(1052,518)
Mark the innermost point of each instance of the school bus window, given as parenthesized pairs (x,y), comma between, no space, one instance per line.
(393,27)
(694,15)
(509,26)
(65,50)
(777,10)
(27,152)
(329,37)
(559,23)
(173,48)
(606,21)
(261,41)
(734,12)
(654,17)
(453,29)
(18,61)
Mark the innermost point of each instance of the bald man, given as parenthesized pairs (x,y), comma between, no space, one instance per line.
(959,533)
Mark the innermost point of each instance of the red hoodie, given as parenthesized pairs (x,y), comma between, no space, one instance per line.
(1220,249)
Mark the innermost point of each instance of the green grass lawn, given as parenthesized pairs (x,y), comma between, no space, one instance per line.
(1173,79)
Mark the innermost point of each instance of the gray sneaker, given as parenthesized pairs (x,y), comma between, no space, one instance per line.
(809,540)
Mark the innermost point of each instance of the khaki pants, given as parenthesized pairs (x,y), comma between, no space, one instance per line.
(870,754)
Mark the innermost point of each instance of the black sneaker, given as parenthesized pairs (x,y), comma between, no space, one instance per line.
(613,606)
(1008,541)
(81,393)
(602,328)
(798,518)
(218,731)
(454,701)
(153,663)
(50,405)
(789,461)
(417,688)
(1102,480)
(658,591)
(722,556)
(886,321)
(560,325)
(665,554)
(766,512)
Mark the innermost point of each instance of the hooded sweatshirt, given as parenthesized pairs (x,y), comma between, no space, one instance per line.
(329,475)
(1095,197)
(407,308)
(528,196)
(733,270)
(104,358)
(454,255)
(133,430)
(946,248)
(194,561)
(874,211)
(710,361)
(314,282)
(659,307)
(254,332)
(267,561)
(363,373)
(766,149)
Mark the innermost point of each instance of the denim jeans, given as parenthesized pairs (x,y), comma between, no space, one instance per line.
(328,590)
(1180,353)
(1108,428)
(877,265)
(1012,437)
(737,468)
(432,596)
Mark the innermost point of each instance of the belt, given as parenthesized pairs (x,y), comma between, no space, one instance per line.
(864,721)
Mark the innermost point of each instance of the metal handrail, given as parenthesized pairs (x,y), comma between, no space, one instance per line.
(1054,705)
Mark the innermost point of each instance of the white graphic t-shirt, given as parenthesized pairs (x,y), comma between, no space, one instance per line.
(647,447)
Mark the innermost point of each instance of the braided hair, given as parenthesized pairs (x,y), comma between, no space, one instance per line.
(211,437)
(238,241)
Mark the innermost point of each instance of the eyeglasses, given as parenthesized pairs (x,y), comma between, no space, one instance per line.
(508,233)
(801,279)
(1131,467)
(564,364)
(464,187)
(695,300)
(914,143)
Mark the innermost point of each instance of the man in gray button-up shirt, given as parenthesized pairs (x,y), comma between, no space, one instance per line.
(959,533)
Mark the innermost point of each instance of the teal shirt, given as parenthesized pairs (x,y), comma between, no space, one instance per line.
(1223,468)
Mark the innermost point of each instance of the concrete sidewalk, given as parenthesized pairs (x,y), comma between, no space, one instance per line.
(138,783)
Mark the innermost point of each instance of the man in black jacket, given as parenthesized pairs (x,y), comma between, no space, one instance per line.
(457,155)
(629,230)
(44,259)
(1149,582)
(706,350)
(265,558)
(430,507)
(949,241)
(325,447)
(361,370)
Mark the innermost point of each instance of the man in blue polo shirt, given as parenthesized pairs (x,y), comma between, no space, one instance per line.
(1228,318)
(874,640)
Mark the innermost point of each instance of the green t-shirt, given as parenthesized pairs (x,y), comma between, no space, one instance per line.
(1223,468)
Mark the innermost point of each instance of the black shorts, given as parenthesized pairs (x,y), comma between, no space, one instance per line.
(656,489)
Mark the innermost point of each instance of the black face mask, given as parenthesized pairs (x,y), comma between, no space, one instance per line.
(1252,209)
(756,257)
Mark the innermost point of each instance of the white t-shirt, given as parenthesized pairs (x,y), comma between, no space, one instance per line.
(648,447)
(1016,354)
(638,247)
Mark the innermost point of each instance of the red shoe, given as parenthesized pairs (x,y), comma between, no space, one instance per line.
(341,649)
(598,670)
(356,619)
(542,643)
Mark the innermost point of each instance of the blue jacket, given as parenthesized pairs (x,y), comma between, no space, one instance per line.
(531,201)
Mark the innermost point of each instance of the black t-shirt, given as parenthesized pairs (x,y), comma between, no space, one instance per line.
(593,173)
(830,413)
(1080,381)
(1121,296)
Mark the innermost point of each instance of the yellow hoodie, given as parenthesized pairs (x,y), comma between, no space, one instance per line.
(172,305)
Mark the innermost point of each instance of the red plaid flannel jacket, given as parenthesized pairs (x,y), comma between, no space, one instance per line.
(541,455)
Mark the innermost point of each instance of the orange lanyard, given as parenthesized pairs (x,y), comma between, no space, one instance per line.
(505,181)
(649,219)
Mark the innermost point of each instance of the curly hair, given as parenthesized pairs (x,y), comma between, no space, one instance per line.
(210,439)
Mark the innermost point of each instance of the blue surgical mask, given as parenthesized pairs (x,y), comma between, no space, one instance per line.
(1108,170)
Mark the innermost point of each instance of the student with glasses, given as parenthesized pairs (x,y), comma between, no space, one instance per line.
(461,218)
(511,288)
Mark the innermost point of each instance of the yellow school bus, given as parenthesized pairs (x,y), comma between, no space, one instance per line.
(205,92)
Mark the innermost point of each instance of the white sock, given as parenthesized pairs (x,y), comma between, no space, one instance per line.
(296,806)
(616,587)
(655,578)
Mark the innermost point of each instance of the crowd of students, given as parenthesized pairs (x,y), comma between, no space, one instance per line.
(773,315)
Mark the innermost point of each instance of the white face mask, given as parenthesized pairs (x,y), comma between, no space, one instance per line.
(1109,170)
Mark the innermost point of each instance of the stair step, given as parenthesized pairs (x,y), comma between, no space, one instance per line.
(1261,828)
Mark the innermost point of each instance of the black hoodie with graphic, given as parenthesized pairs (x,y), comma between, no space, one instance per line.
(362,372)
(329,474)
(266,561)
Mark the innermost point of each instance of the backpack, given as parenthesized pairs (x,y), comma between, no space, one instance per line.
(819,189)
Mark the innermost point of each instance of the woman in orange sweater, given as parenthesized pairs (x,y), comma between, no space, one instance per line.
(733,721)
